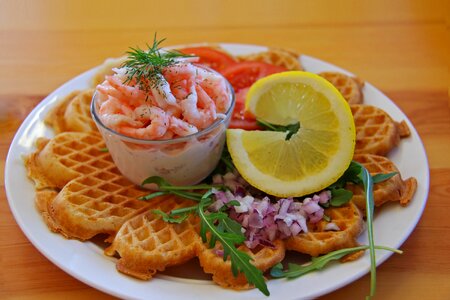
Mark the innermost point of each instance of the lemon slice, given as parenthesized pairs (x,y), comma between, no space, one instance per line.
(312,158)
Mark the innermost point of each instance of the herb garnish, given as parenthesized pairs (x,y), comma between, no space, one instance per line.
(340,195)
(144,67)
(319,262)
(165,188)
(290,129)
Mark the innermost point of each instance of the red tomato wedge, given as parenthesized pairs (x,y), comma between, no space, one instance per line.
(210,57)
(244,74)
(241,76)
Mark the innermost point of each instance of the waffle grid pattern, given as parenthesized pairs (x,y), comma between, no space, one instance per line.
(317,241)
(376,132)
(70,155)
(393,189)
(349,87)
(263,258)
(277,57)
(147,244)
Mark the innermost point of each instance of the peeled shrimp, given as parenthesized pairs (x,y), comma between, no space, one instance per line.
(180,127)
(216,87)
(115,88)
(198,108)
(157,120)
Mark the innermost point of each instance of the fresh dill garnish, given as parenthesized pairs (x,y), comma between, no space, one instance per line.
(144,67)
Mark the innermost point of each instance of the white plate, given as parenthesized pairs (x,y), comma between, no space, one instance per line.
(86,262)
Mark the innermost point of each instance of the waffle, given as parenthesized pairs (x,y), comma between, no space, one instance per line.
(66,156)
(147,244)
(376,132)
(317,241)
(96,203)
(394,189)
(106,69)
(279,57)
(73,113)
(350,87)
(263,259)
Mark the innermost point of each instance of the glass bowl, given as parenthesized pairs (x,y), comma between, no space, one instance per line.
(184,160)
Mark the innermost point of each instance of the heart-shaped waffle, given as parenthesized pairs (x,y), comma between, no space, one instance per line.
(277,57)
(350,87)
(263,258)
(320,240)
(67,156)
(73,113)
(393,189)
(147,244)
(376,132)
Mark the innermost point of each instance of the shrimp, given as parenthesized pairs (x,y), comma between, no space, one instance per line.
(113,86)
(113,106)
(114,113)
(216,87)
(180,127)
(201,116)
(156,118)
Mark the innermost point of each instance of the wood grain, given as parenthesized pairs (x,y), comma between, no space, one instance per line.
(399,46)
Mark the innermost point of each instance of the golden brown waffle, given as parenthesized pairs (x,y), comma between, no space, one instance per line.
(376,132)
(279,57)
(350,87)
(394,189)
(73,113)
(147,244)
(318,241)
(263,259)
(97,203)
(66,156)
(106,69)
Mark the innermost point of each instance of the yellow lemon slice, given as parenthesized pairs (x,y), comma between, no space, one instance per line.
(312,158)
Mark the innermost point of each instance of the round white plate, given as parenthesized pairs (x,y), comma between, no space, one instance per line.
(86,262)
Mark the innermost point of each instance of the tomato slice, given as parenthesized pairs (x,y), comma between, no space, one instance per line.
(244,74)
(210,57)
(241,76)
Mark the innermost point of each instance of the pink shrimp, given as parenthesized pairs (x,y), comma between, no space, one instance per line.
(216,87)
(198,108)
(157,120)
(125,93)
(114,106)
(180,127)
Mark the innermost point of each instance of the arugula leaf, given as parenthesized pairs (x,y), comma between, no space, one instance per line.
(320,262)
(377,178)
(170,218)
(340,196)
(366,179)
(290,129)
(152,195)
(181,191)
(227,234)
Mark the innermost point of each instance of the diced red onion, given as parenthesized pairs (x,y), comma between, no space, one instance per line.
(332,227)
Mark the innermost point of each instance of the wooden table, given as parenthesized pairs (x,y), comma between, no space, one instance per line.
(399,46)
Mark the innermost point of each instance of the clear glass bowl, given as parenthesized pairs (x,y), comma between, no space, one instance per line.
(181,161)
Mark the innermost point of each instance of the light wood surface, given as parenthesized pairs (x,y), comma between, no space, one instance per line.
(399,46)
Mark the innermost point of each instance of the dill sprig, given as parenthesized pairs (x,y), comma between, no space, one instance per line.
(144,67)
